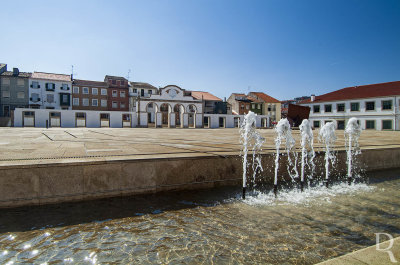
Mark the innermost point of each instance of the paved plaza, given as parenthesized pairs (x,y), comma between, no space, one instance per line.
(21,146)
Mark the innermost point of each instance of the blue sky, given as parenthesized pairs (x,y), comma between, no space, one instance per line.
(285,48)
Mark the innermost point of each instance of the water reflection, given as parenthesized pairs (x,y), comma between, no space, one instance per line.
(212,226)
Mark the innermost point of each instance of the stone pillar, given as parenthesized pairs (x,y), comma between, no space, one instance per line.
(172,123)
(185,120)
(158,119)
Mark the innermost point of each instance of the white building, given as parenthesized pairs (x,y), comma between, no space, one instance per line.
(173,107)
(139,90)
(50,91)
(375,105)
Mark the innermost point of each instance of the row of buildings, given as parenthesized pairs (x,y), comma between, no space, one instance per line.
(375,105)
(50,91)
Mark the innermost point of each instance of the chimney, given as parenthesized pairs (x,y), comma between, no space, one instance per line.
(312,97)
(15,71)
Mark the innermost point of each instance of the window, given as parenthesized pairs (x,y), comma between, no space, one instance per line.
(122,105)
(76,101)
(150,92)
(64,87)
(5,81)
(20,82)
(370,105)
(64,99)
(370,124)
(50,98)
(50,87)
(35,84)
(122,83)
(114,82)
(6,94)
(104,103)
(258,106)
(95,102)
(95,91)
(316,124)
(85,90)
(340,125)
(386,124)
(355,106)
(104,92)
(104,116)
(328,108)
(115,104)
(247,106)
(85,102)
(134,90)
(340,107)
(115,93)
(253,106)
(122,94)
(316,108)
(386,104)
(35,97)
(20,94)
(76,89)
(242,106)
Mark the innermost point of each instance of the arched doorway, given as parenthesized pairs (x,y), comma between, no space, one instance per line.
(165,110)
(192,110)
(151,109)
(179,110)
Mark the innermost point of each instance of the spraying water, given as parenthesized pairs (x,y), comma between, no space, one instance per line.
(328,137)
(307,149)
(250,139)
(352,133)
(285,133)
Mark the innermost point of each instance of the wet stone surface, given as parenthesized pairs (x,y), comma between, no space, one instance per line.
(210,226)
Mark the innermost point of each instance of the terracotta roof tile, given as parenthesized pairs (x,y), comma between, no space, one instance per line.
(142,85)
(254,99)
(205,96)
(357,92)
(80,82)
(51,76)
(264,97)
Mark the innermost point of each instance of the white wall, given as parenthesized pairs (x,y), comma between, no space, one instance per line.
(378,115)
(68,117)
(230,120)
(93,118)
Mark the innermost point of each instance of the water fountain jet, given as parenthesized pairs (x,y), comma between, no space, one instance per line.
(250,139)
(284,132)
(307,149)
(352,134)
(328,137)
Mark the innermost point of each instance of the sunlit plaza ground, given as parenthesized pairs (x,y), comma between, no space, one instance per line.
(37,145)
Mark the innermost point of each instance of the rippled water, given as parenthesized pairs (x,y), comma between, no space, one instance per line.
(212,226)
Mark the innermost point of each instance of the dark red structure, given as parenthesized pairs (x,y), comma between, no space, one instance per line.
(118,93)
(296,114)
